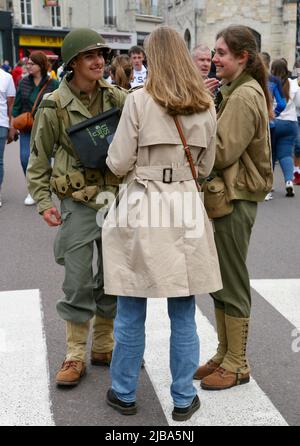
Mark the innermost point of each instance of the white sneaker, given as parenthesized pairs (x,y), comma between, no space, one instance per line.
(269,197)
(0,200)
(289,187)
(29,201)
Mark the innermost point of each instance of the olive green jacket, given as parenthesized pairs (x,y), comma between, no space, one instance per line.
(243,154)
(50,140)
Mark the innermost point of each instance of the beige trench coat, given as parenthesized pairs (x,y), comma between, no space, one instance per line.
(152,246)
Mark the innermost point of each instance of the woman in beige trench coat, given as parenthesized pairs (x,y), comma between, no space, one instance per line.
(157,239)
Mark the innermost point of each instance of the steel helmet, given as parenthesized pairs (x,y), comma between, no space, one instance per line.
(80,40)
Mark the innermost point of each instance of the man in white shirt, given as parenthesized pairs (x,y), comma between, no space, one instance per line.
(137,56)
(7,132)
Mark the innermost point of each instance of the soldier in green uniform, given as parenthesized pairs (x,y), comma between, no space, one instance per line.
(82,94)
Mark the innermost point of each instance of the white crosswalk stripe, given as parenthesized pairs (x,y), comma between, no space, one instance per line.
(240,406)
(24,379)
(282,294)
(24,383)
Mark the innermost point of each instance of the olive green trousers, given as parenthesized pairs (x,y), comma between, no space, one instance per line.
(232,237)
(74,249)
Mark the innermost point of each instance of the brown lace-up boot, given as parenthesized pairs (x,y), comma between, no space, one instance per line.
(73,368)
(70,373)
(234,369)
(213,363)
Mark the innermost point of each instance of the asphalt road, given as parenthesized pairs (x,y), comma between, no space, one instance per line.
(27,263)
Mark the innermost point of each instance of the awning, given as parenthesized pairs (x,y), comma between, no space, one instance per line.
(48,53)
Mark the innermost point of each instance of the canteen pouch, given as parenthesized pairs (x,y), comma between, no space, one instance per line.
(215,198)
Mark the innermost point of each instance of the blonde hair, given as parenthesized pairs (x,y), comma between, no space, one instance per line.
(121,70)
(173,79)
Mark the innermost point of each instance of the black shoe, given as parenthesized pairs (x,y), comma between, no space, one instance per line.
(122,407)
(185,413)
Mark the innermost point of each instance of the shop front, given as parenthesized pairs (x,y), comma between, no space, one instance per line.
(48,41)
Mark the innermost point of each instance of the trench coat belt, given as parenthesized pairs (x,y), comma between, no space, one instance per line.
(166,174)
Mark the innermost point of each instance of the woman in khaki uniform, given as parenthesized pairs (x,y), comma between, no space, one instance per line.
(152,248)
(243,160)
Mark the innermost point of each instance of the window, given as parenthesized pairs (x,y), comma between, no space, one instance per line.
(26,12)
(55,16)
(148,7)
(109,12)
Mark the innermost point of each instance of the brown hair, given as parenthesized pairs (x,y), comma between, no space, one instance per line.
(121,70)
(136,50)
(40,59)
(279,69)
(240,39)
(174,81)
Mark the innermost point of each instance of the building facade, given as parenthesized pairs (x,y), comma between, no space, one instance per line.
(274,22)
(43,24)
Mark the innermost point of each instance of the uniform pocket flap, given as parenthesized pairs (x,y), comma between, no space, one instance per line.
(216,185)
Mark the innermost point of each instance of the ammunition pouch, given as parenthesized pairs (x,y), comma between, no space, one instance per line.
(76,180)
(93,176)
(86,194)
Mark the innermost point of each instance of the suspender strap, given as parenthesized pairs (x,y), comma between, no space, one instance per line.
(187,152)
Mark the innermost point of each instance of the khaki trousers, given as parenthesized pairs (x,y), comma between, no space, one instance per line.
(232,237)
(74,249)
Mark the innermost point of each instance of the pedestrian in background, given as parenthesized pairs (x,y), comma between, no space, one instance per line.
(121,71)
(286,125)
(7,132)
(82,94)
(17,73)
(279,101)
(243,161)
(141,261)
(27,93)
(202,57)
(138,57)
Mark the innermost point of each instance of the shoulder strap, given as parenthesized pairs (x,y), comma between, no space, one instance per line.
(63,119)
(187,152)
(39,95)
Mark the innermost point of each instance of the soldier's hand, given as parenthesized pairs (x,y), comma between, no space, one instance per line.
(52,217)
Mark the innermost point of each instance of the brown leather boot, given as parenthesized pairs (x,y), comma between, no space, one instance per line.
(103,359)
(223,379)
(205,370)
(70,373)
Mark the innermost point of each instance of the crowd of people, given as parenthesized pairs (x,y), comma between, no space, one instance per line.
(218,119)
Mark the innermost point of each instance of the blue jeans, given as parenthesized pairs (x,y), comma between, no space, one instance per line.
(3,138)
(130,345)
(297,145)
(284,143)
(24,150)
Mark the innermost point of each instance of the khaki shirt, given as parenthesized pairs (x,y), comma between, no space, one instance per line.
(50,140)
(243,154)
